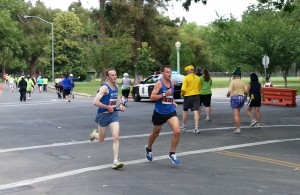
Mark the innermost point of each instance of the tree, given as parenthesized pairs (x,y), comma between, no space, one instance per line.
(246,42)
(10,34)
(67,46)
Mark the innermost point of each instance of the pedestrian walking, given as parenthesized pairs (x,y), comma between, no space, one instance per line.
(73,86)
(237,91)
(30,86)
(126,84)
(164,112)
(190,91)
(11,82)
(205,93)
(40,83)
(254,91)
(67,87)
(107,117)
(45,84)
(22,85)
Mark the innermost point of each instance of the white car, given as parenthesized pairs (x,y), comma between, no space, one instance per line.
(144,89)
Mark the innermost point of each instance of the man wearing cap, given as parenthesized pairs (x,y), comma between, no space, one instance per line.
(190,90)
(237,91)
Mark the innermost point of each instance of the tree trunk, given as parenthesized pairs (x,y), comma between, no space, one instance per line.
(33,65)
(102,25)
(102,30)
(285,74)
(138,44)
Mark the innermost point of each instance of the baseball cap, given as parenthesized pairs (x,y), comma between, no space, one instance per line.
(189,67)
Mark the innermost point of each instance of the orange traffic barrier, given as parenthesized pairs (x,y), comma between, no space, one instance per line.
(279,96)
(1,88)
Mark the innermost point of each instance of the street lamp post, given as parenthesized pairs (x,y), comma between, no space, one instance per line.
(177,45)
(52,41)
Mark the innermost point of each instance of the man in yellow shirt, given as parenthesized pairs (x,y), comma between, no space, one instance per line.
(190,91)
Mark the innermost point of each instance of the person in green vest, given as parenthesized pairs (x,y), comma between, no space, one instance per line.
(205,93)
(29,87)
(45,83)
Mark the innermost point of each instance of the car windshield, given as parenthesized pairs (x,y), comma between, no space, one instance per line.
(175,77)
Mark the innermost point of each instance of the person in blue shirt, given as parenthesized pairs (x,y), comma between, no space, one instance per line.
(107,100)
(164,112)
(67,87)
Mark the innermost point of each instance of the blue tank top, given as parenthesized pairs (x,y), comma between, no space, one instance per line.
(109,99)
(165,105)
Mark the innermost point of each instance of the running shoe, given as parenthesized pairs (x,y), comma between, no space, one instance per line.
(182,128)
(174,159)
(117,165)
(207,119)
(92,136)
(253,123)
(237,131)
(196,130)
(257,125)
(149,154)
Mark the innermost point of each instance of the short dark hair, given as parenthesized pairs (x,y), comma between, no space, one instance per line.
(163,67)
(107,70)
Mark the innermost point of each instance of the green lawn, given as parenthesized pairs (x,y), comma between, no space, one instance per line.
(218,82)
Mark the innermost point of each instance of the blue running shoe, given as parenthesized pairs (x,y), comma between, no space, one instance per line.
(149,155)
(174,159)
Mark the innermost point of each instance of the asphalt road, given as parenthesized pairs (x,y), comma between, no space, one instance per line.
(44,149)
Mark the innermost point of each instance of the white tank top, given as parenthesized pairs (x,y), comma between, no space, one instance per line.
(125,83)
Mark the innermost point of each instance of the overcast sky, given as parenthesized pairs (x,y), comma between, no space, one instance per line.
(199,13)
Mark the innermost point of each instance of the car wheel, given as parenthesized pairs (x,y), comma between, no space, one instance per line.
(136,96)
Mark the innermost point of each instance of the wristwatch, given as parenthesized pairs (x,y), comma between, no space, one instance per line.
(164,94)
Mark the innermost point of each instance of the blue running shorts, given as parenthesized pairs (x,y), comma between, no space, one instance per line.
(104,119)
(237,101)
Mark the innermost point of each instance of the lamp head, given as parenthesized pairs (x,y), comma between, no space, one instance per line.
(177,45)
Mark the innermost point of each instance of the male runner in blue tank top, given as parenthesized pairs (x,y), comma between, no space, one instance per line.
(164,111)
(106,99)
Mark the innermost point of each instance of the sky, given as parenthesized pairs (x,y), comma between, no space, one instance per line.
(199,13)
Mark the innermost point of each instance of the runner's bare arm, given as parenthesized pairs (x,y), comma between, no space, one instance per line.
(102,91)
(154,95)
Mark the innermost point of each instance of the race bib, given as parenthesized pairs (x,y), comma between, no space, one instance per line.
(113,102)
(167,100)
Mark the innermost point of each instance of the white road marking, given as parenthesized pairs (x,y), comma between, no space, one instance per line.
(138,161)
(124,137)
(30,103)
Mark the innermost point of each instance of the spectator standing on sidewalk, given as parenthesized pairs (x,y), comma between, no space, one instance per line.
(205,93)
(190,91)
(107,99)
(237,91)
(254,91)
(164,112)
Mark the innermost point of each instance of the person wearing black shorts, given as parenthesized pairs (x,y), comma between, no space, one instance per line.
(190,91)
(206,93)
(254,101)
(164,112)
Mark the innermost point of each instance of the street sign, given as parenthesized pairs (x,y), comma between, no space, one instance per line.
(265,61)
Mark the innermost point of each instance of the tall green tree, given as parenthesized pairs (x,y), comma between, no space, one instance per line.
(67,46)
